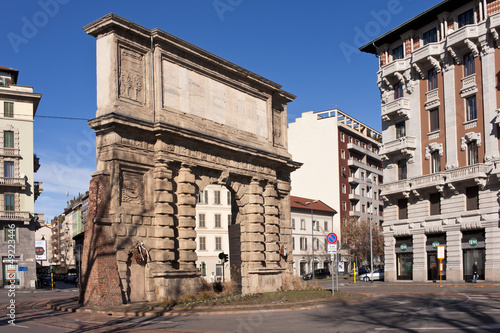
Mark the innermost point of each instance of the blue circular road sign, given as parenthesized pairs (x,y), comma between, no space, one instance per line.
(331,238)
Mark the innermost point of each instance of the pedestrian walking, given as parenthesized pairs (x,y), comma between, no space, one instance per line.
(475,276)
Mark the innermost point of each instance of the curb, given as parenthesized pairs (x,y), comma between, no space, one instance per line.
(222,311)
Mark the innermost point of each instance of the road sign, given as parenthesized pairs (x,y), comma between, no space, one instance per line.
(440,254)
(332,248)
(22,269)
(331,238)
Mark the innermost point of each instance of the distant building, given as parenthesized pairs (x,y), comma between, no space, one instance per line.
(308,237)
(18,189)
(342,166)
(438,78)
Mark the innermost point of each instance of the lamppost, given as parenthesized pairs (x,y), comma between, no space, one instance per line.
(371,243)
(312,234)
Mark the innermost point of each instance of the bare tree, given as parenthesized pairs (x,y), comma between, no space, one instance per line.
(356,237)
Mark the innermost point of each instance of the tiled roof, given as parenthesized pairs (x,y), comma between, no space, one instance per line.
(301,203)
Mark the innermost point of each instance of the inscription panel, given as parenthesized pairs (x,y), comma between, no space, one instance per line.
(131,79)
(187,91)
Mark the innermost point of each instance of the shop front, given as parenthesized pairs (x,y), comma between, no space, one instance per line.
(404,258)
(473,247)
(432,243)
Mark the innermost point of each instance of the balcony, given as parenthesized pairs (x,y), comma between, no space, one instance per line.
(428,181)
(432,99)
(353,196)
(38,189)
(494,21)
(14,216)
(396,187)
(476,171)
(429,50)
(352,162)
(354,213)
(399,146)
(396,109)
(399,65)
(469,86)
(9,151)
(362,150)
(459,36)
(13,182)
(353,180)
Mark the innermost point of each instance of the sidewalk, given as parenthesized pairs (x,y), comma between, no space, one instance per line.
(59,286)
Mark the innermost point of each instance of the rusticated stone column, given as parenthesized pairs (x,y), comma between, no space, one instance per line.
(161,233)
(454,272)
(419,256)
(492,264)
(272,226)
(186,212)
(390,273)
(252,247)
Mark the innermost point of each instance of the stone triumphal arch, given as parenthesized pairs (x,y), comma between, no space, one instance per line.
(172,118)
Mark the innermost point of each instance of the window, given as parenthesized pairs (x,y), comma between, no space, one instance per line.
(326,225)
(398,53)
(432,77)
(362,175)
(342,137)
(469,64)
(316,244)
(201,220)
(315,225)
(303,243)
(217,220)
(344,188)
(400,129)
(472,198)
(435,203)
(402,172)
(403,209)
(430,36)
(229,219)
(8,169)
(363,208)
(218,243)
(203,197)
(471,108)
(228,198)
(293,224)
(434,120)
(9,202)
(217,197)
(203,243)
(435,162)
(293,243)
(203,268)
(218,269)
(8,109)
(10,234)
(8,139)
(466,18)
(344,206)
(362,191)
(343,172)
(398,90)
(342,154)
(472,153)
(302,224)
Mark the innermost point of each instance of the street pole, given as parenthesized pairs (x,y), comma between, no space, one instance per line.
(371,244)
(312,234)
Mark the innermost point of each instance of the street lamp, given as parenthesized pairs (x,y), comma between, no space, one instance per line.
(312,234)
(371,243)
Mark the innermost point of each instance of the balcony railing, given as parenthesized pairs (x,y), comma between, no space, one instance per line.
(38,189)
(9,151)
(467,172)
(431,49)
(353,180)
(359,164)
(354,213)
(398,145)
(432,99)
(468,85)
(12,215)
(12,182)
(362,150)
(396,187)
(494,20)
(432,180)
(399,65)
(395,109)
(353,196)
(459,36)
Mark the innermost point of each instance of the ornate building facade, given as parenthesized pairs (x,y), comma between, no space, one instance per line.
(440,104)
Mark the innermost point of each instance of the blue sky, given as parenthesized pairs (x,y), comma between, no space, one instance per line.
(306,46)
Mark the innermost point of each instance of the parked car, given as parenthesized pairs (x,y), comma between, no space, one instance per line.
(378,275)
(360,271)
(321,273)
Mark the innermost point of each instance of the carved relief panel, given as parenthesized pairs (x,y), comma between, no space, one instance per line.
(131,188)
(131,75)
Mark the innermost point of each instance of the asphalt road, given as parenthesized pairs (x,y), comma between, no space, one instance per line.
(406,308)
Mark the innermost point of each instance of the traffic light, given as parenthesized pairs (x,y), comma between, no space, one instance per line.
(223,256)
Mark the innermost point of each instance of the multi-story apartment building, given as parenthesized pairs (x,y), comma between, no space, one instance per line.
(18,189)
(311,223)
(213,220)
(341,165)
(440,111)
